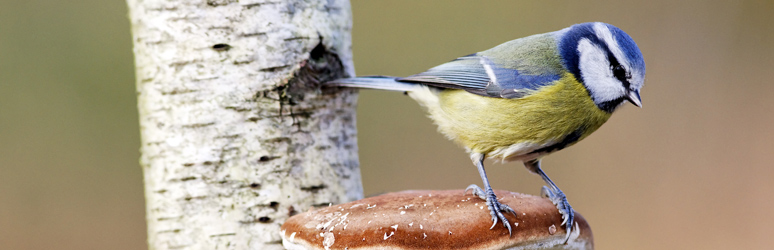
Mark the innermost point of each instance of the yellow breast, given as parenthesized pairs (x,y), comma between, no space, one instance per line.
(512,128)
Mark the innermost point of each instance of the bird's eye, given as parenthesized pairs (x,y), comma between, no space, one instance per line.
(620,73)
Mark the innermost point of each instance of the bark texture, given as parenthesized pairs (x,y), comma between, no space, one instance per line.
(236,135)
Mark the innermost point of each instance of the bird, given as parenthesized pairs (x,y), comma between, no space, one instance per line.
(526,98)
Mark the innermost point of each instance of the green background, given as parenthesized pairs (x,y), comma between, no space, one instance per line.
(690,170)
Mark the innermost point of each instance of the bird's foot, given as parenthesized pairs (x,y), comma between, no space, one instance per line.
(496,209)
(560,200)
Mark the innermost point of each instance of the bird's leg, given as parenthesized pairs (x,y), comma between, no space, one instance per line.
(555,195)
(496,208)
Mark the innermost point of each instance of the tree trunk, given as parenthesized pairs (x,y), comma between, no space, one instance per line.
(236,133)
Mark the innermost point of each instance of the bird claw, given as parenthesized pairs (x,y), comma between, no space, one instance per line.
(496,208)
(475,190)
(560,201)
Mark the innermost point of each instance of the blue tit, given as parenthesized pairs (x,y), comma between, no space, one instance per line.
(526,98)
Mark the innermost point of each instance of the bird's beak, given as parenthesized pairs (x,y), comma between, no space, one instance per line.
(634,97)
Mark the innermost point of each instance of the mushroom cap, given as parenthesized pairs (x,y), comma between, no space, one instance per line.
(429,219)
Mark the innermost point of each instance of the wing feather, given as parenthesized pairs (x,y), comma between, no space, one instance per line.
(510,70)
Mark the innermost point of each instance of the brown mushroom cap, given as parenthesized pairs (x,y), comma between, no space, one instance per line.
(427,219)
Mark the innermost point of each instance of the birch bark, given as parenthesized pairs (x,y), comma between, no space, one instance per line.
(236,135)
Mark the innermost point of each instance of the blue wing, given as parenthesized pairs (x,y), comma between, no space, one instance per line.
(479,74)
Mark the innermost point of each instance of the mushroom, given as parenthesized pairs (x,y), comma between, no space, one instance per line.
(429,219)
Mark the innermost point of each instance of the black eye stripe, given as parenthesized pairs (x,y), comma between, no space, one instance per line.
(619,72)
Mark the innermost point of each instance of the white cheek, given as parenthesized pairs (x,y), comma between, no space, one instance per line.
(596,73)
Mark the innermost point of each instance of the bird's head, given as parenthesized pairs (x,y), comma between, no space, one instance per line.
(606,60)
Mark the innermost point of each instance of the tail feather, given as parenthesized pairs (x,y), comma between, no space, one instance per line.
(374,82)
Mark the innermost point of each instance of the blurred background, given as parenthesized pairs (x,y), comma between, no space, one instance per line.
(690,170)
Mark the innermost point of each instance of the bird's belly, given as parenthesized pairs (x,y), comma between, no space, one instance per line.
(519,129)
